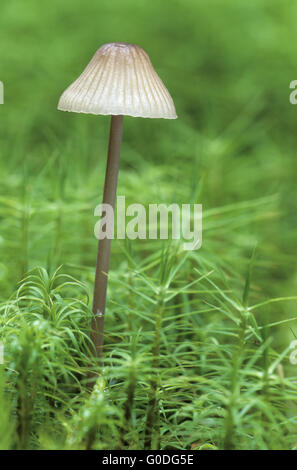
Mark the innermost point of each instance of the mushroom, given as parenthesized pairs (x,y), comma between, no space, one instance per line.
(119,80)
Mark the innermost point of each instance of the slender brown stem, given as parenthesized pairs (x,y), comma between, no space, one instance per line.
(102,265)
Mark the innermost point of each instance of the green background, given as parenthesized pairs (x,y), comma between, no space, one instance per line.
(228,65)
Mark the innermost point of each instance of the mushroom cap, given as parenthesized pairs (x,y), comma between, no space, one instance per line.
(119,79)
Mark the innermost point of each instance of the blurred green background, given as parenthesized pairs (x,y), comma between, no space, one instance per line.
(227,64)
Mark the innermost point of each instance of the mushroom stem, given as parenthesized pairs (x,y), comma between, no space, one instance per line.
(103,256)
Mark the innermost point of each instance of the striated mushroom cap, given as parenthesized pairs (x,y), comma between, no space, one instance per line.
(119,79)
